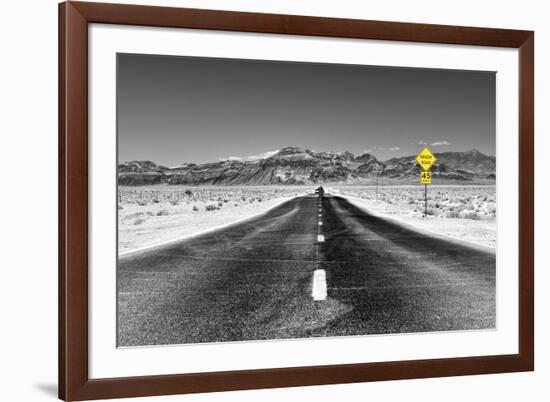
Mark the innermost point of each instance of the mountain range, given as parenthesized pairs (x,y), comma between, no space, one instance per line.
(295,165)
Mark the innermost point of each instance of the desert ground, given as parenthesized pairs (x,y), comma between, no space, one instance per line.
(149,215)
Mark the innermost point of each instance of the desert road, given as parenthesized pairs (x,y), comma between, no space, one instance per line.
(309,267)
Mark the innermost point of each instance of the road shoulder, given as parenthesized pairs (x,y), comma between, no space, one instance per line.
(175,231)
(426,228)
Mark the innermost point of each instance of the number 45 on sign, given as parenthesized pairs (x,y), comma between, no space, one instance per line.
(426,178)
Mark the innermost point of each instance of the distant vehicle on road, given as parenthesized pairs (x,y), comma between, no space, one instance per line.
(320,190)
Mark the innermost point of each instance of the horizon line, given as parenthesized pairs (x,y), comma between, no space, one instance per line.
(246,159)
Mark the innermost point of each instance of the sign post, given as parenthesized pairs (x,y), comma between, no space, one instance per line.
(377,174)
(426,159)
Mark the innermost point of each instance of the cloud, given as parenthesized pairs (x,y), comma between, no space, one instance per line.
(262,156)
(435,144)
(251,157)
(378,148)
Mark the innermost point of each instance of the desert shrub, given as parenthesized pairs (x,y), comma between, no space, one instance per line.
(195,208)
(430,212)
(188,193)
(452,214)
(459,208)
(163,212)
(142,203)
(220,204)
(211,207)
(471,215)
(120,206)
(139,221)
(156,200)
(174,202)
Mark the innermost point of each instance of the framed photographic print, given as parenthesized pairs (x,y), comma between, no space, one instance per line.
(257,200)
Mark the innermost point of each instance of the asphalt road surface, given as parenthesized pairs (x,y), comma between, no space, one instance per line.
(255,280)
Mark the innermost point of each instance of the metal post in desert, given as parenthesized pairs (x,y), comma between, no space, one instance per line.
(426,159)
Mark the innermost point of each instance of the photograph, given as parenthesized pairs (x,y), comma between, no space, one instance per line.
(263,200)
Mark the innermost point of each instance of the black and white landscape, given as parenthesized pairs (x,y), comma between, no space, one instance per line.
(266,200)
(298,166)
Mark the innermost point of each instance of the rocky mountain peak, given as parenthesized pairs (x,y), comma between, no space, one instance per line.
(296,165)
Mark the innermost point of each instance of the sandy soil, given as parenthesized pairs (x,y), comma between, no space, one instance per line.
(465,213)
(153,215)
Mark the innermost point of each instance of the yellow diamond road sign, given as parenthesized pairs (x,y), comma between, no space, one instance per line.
(426,159)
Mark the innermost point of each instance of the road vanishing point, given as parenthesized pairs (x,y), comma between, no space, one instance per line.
(314,266)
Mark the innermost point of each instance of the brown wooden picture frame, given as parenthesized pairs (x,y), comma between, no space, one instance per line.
(74,381)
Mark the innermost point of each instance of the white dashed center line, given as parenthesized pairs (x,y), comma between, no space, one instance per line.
(319,289)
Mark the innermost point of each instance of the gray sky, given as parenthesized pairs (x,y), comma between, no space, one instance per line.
(181,109)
